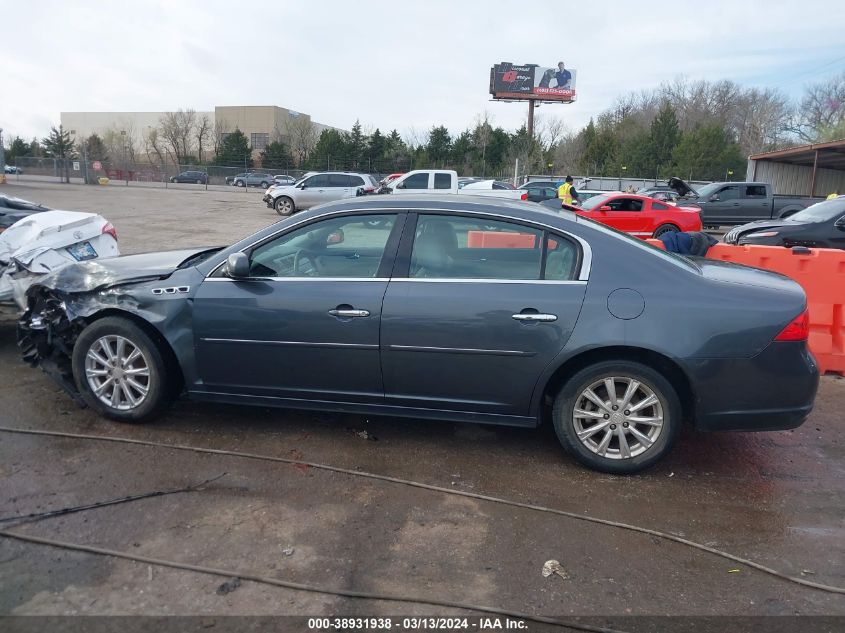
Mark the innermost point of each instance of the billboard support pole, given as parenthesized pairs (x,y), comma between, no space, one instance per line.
(531,119)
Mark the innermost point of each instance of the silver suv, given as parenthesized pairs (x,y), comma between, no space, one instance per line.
(317,189)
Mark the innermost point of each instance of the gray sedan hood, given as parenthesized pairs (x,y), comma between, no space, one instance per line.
(103,273)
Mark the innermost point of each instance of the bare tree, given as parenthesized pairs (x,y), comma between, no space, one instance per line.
(548,130)
(481,137)
(568,153)
(414,138)
(202,130)
(153,146)
(177,128)
(303,136)
(822,109)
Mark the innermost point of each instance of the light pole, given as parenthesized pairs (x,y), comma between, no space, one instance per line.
(2,158)
(624,171)
(551,168)
(729,172)
(125,168)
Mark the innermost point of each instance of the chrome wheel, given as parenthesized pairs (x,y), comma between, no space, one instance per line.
(117,372)
(618,417)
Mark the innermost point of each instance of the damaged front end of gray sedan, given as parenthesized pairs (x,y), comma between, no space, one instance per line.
(141,288)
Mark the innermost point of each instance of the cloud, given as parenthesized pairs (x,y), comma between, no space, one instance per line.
(389,64)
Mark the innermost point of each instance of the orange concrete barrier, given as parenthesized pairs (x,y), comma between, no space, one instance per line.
(821,272)
(499,239)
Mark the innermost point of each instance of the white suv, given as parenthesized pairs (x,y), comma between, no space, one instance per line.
(317,189)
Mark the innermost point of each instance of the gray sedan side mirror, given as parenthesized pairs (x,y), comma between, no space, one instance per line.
(237,266)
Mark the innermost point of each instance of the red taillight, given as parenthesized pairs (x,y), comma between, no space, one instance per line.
(524,196)
(797,330)
(108,228)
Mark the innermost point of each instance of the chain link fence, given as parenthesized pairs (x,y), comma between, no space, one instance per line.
(76,170)
(94,172)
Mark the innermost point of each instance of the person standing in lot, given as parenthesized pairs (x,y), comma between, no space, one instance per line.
(567,193)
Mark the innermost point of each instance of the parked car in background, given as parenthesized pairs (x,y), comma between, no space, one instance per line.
(317,189)
(637,215)
(440,181)
(729,203)
(648,191)
(532,308)
(539,194)
(230,180)
(671,197)
(14,209)
(284,179)
(821,225)
(390,178)
(254,179)
(12,169)
(463,182)
(198,177)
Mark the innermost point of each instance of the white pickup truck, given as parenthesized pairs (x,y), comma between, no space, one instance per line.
(441,181)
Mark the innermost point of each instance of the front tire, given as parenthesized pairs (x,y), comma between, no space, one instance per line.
(626,439)
(199,182)
(284,206)
(663,229)
(240,183)
(264,185)
(120,371)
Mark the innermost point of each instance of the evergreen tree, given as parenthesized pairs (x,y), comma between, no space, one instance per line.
(376,150)
(664,137)
(706,153)
(463,152)
(439,145)
(19,147)
(356,146)
(276,155)
(94,149)
(234,151)
(330,148)
(59,145)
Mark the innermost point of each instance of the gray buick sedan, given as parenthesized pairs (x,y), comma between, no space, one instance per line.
(438,307)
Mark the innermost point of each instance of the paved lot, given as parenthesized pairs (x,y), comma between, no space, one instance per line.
(775,498)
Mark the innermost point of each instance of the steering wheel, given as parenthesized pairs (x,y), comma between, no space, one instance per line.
(305,264)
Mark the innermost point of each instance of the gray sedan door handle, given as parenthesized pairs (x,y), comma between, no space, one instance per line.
(349,313)
(542,318)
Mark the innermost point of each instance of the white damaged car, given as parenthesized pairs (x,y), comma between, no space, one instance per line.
(43,242)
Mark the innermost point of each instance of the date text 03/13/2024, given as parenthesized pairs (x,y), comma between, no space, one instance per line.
(420,623)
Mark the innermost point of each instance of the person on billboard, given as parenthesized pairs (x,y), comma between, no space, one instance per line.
(563,76)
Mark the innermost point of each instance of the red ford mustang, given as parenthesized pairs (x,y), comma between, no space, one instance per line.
(640,216)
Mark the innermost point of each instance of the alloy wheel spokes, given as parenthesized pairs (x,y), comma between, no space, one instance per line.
(117,372)
(618,417)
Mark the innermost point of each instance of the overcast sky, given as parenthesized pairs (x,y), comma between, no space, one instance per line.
(397,64)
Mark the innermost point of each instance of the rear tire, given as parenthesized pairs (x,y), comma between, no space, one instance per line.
(120,371)
(663,229)
(284,206)
(240,183)
(264,185)
(199,182)
(595,437)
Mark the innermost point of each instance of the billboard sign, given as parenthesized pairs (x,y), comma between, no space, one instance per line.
(530,81)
